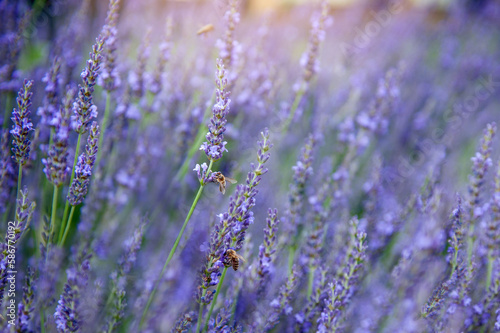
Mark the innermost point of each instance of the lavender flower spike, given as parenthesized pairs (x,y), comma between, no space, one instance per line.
(342,289)
(214,146)
(56,164)
(267,249)
(309,60)
(83,108)
(83,169)
(281,304)
(26,308)
(109,77)
(68,312)
(22,124)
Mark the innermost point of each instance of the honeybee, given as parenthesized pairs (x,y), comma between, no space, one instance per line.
(233,259)
(205,29)
(221,179)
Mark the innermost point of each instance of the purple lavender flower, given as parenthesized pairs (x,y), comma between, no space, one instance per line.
(281,304)
(214,147)
(109,77)
(165,46)
(184,323)
(83,169)
(267,250)
(457,234)
(342,288)
(301,173)
(48,110)
(119,278)
(22,124)
(230,231)
(229,49)
(7,174)
(136,77)
(201,172)
(493,226)
(24,214)
(26,308)
(68,313)
(306,319)
(481,162)
(309,60)
(83,108)
(56,164)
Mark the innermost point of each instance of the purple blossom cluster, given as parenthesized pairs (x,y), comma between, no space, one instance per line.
(56,164)
(229,232)
(83,108)
(83,169)
(22,124)
(385,168)
(214,147)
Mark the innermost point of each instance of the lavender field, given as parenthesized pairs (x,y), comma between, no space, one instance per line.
(184,166)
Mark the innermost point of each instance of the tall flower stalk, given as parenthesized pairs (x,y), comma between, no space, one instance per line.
(214,148)
(109,77)
(83,108)
(56,164)
(309,60)
(21,144)
(481,162)
(229,232)
(83,172)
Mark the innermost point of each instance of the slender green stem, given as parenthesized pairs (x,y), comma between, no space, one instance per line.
(219,286)
(104,124)
(68,226)
(298,97)
(200,312)
(66,207)
(172,251)
(489,271)
(42,319)
(7,113)
(310,281)
(53,213)
(291,257)
(470,245)
(197,142)
(19,178)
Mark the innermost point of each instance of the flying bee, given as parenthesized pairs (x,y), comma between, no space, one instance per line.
(205,29)
(233,259)
(221,179)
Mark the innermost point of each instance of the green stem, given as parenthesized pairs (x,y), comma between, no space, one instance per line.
(19,178)
(470,245)
(293,109)
(219,286)
(489,271)
(104,124)
(200,312)
(172,251)
(310,281)
(68,226)
(291,257)
(66,207)
(8,98)
(197,142)
(42,319)
(53,212)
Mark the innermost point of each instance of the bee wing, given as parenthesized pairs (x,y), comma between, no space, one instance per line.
(205,28)
(240,257)
(222,188)
(231,180)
